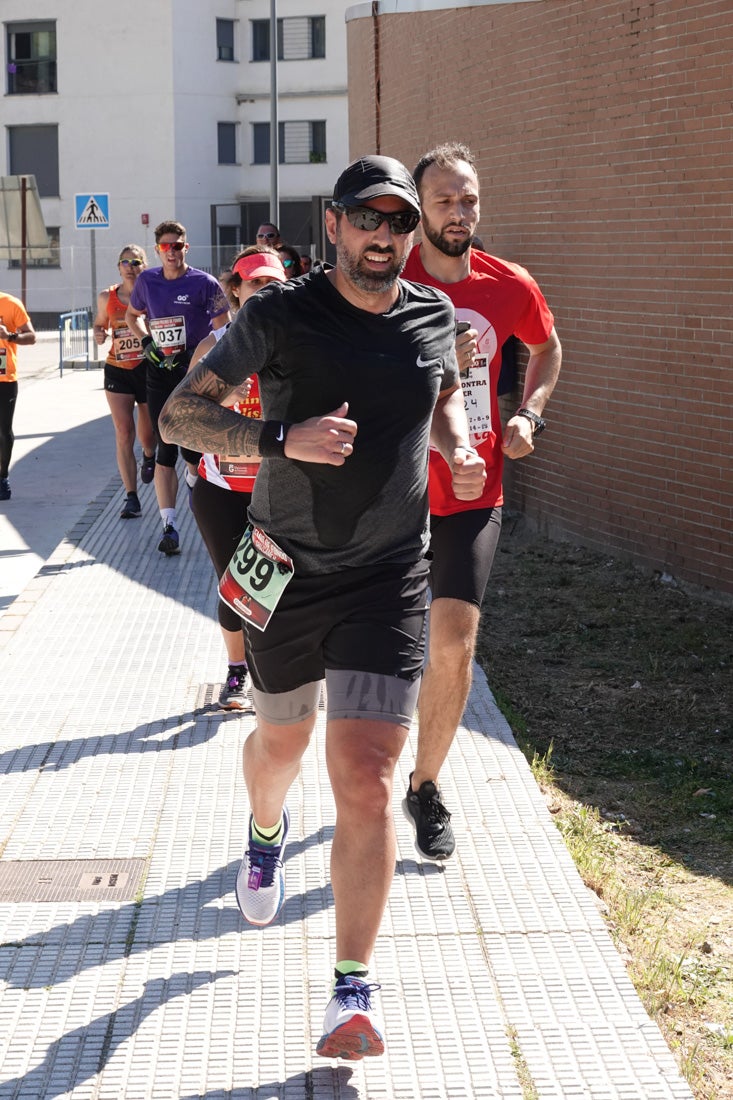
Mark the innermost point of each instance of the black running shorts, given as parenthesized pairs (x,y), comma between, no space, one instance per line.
(125,380)
(370,619)
(462,553)
(161,384)
(221,517)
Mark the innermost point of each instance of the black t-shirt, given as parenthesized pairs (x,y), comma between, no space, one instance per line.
(312,350)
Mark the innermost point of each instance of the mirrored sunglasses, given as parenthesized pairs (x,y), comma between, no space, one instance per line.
(266,236)
(287,263)
(131,263)
(172,246)
(368,220)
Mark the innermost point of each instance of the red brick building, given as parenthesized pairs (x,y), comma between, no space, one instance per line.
(603,133)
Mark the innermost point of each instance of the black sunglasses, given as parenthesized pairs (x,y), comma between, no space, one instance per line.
(363,217)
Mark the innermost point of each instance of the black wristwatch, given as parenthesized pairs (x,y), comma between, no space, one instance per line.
(538,424)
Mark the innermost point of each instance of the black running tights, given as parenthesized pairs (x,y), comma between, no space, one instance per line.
(8,395)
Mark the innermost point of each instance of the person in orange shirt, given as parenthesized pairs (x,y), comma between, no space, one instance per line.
(125,379)
(15,328)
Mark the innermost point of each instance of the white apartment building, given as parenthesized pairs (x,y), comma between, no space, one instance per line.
(163,106)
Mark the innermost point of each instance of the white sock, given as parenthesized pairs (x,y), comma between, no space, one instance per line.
(168,515)
(191,479)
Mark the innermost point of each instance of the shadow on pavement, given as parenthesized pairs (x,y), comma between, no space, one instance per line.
(322,1082)
(192,913)
(63,1067)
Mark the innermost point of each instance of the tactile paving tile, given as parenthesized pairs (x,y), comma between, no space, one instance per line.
(498,955)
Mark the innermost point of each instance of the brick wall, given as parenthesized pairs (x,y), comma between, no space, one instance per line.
(605,148)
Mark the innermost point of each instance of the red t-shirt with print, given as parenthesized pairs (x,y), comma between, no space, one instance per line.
(499,299)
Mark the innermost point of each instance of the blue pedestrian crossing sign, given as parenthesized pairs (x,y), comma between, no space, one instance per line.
(92,211)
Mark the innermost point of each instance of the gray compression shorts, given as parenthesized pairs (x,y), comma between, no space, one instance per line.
(349,694)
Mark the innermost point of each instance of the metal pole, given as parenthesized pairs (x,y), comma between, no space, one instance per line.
(274,187)
(23,241)
(93,235)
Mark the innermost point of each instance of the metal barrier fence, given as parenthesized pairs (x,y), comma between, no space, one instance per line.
(74,340)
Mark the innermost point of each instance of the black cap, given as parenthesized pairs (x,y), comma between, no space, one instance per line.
(369,177)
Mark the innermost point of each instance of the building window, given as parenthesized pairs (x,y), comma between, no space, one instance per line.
(227,142)
(261,142)
(298,142)
(317,143)
(34,151)
(299,38)
(225,39)
(31,52)
(54,260)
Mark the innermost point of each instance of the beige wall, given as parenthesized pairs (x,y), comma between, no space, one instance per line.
(603,137)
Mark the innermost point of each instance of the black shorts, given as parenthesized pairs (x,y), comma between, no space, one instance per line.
(462,553)
(132,382)
(370,619)
(161,384)
(221,517)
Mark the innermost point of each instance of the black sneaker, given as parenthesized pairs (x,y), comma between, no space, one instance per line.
(132,507)
(147,469)
(233,694)
(170,543)
(5,491)
(431,821)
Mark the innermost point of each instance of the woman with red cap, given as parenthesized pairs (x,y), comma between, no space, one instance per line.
(223,489)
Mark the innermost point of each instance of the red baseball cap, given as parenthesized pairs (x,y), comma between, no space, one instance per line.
(258,265)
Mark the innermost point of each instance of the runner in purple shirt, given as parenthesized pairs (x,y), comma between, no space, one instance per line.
(172,308)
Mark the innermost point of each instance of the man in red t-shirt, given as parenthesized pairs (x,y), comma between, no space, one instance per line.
(493,299)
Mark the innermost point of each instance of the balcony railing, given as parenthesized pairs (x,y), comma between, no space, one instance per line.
(31,77)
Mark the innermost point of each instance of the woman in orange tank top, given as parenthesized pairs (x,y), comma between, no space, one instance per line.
(124,379)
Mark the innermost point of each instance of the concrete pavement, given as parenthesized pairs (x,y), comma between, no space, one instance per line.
(127,970)
(64,454)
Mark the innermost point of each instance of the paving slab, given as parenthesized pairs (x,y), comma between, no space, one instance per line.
(64,453)
(499,977)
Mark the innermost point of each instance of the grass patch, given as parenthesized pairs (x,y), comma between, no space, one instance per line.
(619,690)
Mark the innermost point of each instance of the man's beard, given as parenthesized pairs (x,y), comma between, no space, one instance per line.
(448,248)
(373,282)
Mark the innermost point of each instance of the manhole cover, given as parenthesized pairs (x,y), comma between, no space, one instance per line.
(207,703)
(70,879)
(207,696)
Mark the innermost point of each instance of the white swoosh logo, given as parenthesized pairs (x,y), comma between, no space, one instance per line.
(279,438)
(425,362)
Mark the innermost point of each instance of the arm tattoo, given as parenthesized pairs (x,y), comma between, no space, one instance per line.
(193,417)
